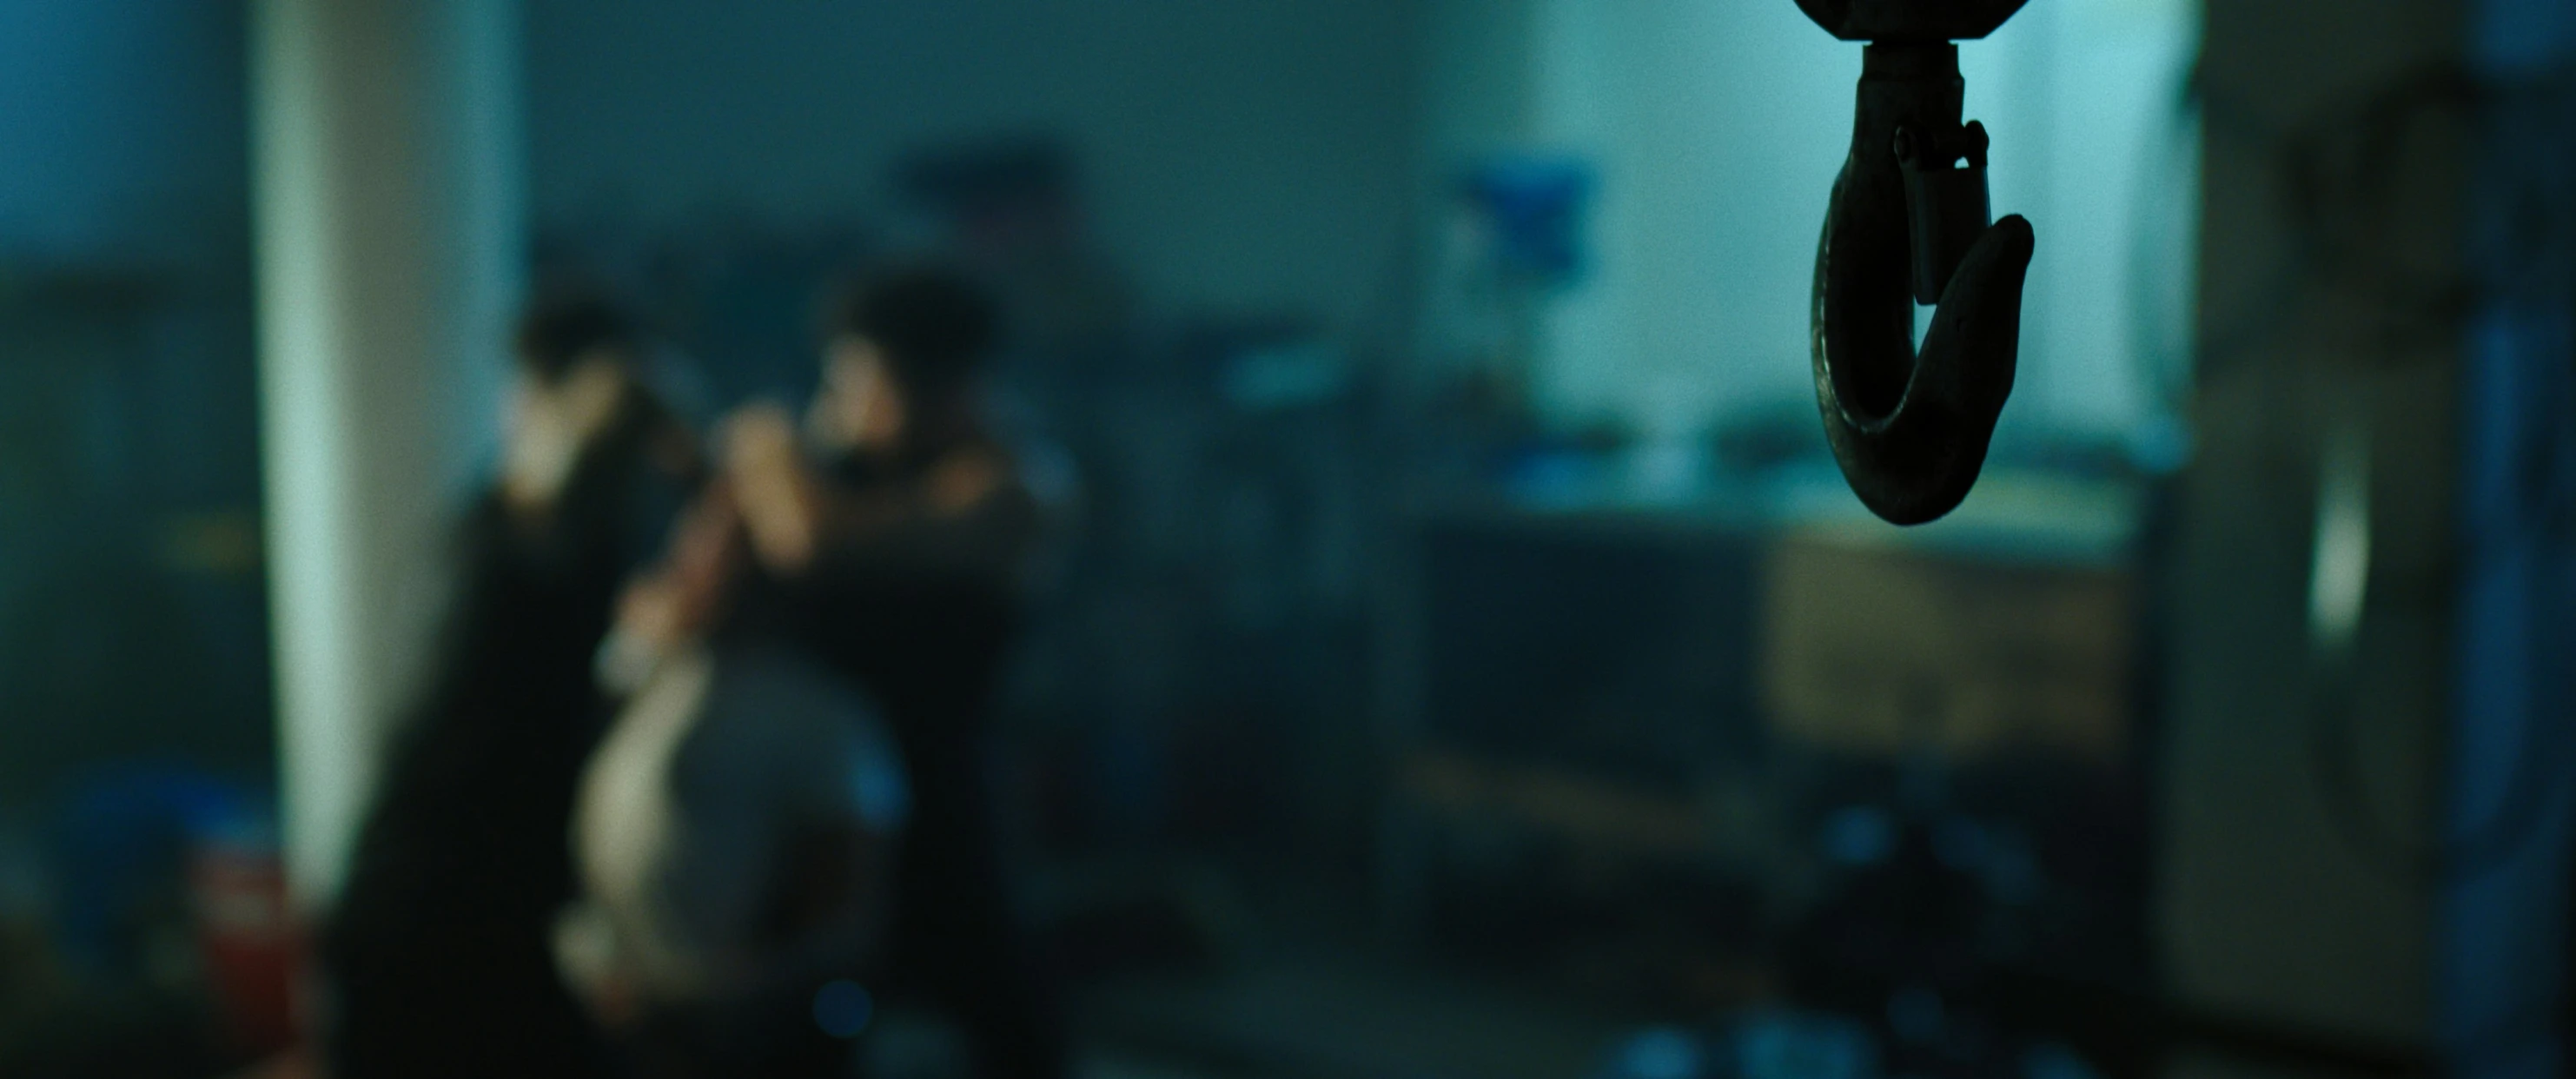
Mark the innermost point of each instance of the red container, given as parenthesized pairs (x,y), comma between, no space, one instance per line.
(250,943)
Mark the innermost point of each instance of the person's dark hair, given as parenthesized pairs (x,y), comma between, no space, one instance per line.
(558,329)
(934,326)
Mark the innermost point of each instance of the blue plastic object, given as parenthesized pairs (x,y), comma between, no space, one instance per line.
(1535,208)
(121,846)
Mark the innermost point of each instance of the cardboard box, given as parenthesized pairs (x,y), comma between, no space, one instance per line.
(1886,648)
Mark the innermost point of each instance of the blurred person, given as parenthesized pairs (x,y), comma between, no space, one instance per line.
(893,552)
(734,836)
(438,957)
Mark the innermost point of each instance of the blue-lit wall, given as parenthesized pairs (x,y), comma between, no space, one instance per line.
(129,478)
(1251,154)
(121,130)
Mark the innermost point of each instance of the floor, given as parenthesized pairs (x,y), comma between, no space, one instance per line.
(1344,1016)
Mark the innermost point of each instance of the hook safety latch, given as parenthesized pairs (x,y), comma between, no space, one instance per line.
(1945,201)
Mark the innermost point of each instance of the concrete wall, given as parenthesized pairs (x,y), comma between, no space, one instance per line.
(121,122)
(1250,154)
(1718,129)
(128,453)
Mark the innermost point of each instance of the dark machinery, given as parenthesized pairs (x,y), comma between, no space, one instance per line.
(1909,224)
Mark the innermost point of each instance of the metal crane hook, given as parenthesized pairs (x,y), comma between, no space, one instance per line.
(1909,224)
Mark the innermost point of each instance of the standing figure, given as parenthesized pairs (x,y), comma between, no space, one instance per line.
(437,957)
(893,554)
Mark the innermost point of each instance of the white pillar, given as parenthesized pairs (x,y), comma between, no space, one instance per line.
(387,203)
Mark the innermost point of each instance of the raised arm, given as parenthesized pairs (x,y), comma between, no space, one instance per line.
(968,517)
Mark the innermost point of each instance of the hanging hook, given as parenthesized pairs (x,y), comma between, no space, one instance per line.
(1908,224)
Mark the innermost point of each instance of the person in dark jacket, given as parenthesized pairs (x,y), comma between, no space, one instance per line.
(887,540)
(438,954)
